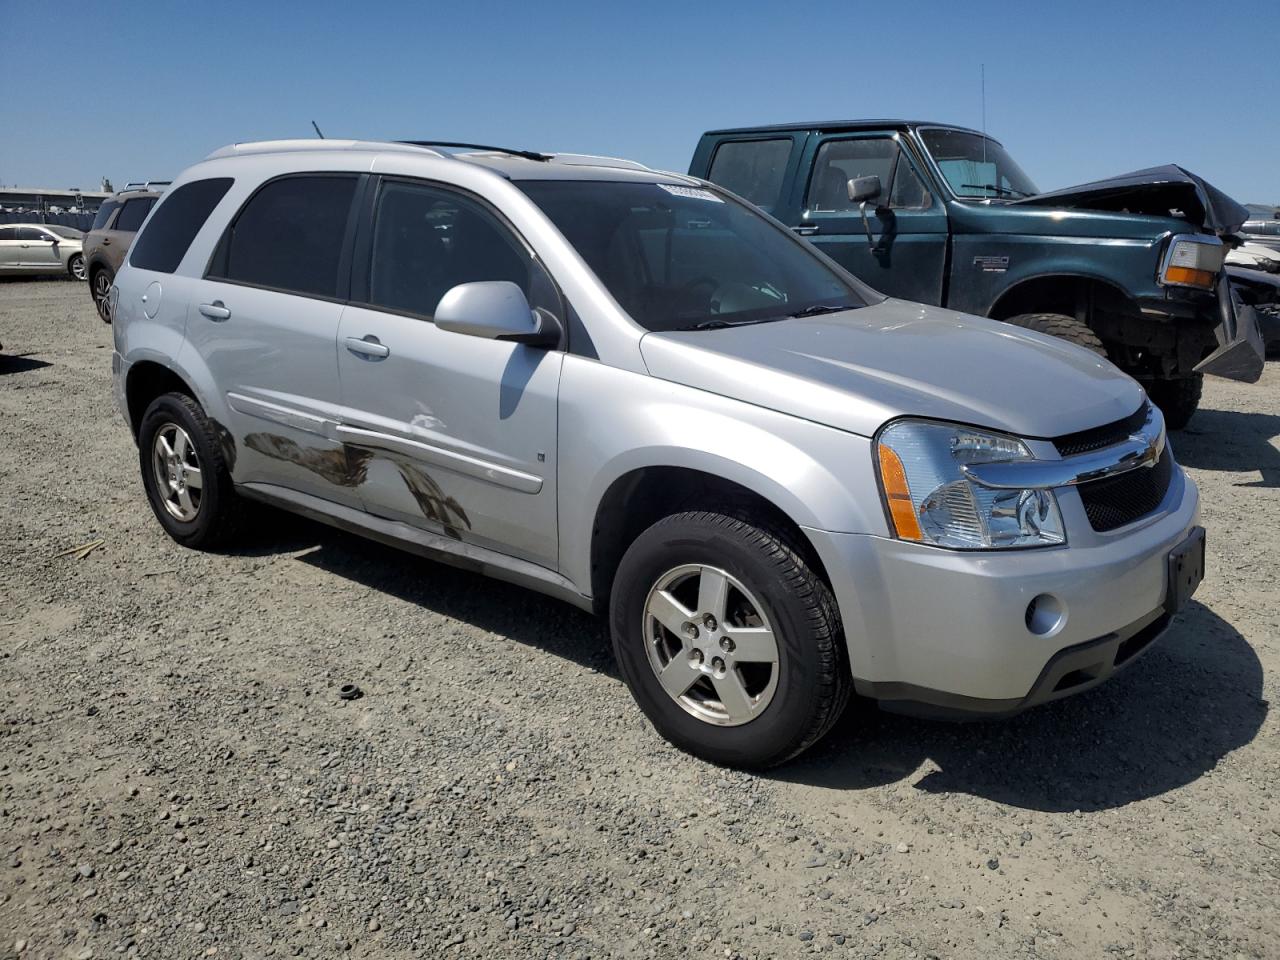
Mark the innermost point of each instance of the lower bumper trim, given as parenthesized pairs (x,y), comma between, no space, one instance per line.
(1071,670)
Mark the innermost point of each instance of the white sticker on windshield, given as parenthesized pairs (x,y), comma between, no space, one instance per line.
(692,193)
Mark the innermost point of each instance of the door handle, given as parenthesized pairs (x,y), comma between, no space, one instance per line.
(368,347)
(215,311)
(807,230)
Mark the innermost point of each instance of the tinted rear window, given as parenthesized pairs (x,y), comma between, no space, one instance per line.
(104,214)
(753,169)
(169,233)
(289,236)
(134,212)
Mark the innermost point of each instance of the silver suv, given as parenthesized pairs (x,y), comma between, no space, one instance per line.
(634,391)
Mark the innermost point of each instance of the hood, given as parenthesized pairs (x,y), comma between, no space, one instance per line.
(1158,191)
(856,369)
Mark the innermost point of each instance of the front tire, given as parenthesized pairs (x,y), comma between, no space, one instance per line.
(1177,399)
(1063,327)
(76,268)
(100,289)
(728,639)
(185,475)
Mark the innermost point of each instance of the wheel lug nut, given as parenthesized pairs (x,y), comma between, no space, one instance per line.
(726,645)
(691,630)
(717,665)
(695,657)
(709,622)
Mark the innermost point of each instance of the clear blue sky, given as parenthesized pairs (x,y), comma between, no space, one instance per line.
(1075,90)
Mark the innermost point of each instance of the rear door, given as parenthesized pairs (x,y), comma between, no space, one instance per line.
(264,321)
(457,434)
(905,254)
(10,249)
(756,168)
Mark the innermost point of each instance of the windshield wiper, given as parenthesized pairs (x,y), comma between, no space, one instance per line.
(718,324)
(999,191)
(818,309)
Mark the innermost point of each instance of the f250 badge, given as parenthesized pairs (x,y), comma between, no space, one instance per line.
(991,264)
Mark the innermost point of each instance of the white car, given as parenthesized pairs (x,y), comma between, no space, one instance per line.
(1255,256)
(38,248)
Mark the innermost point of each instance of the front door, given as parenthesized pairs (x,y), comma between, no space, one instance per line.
(456,434)
(39,250)
(264,321)
(905,254)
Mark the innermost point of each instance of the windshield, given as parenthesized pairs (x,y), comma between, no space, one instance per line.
(975,166)
(681,258)
(69,233)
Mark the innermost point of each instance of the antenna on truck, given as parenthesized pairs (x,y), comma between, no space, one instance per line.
(317,129)
(982,71)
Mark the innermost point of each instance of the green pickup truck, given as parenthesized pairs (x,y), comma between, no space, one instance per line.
(1130,267)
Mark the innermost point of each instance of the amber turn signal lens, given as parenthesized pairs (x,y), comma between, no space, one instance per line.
(1189,276)
(901,509)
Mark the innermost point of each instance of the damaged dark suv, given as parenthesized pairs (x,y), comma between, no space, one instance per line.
(1130,267)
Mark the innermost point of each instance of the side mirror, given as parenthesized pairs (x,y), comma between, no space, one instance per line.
(495,310)
(862,189)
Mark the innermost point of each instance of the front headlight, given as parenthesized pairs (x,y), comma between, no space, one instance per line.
(1193,261)
(929,498)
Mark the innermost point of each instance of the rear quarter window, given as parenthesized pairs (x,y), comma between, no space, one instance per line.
(179,218)
(753,169)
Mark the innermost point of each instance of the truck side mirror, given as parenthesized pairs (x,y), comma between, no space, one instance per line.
(862,189)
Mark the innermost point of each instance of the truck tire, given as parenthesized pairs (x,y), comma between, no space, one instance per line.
(1063,327)
(1177,399)
(728,639)
(186,477)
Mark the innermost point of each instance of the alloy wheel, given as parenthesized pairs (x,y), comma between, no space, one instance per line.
(711,645)
(176,468)
(102,294)
(77,267)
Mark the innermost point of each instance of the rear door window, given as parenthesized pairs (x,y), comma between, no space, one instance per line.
(8,233)
(104,214)
(289,236)
(839,161)
(169,233)
(753,169)
(133,213)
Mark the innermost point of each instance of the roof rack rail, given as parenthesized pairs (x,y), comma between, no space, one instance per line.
(527,154)
(146,184)
(592,160)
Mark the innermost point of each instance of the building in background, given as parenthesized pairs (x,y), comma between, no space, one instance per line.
(72,208)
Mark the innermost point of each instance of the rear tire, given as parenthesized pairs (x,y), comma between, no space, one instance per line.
(1063,327)
(789,702)
(1177,399)
(100,282)
(203,511)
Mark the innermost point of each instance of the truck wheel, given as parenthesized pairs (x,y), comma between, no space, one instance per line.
(728,640)
(1063,327)
(185,475)
(1177,399)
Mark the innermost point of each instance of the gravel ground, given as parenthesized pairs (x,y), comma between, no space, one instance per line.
(179,777)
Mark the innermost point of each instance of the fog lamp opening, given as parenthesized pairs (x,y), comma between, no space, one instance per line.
(1046,615)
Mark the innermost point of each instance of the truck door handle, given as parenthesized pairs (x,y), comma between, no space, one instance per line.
(216,310)
(368,347)
(807,230)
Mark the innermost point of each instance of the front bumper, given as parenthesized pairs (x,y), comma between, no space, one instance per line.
(944,631)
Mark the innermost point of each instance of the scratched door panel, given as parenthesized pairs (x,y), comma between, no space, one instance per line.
(454,434)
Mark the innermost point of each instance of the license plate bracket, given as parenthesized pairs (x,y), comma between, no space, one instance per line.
(1186,570)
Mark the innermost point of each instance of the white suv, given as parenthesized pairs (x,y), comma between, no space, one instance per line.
(634,391)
